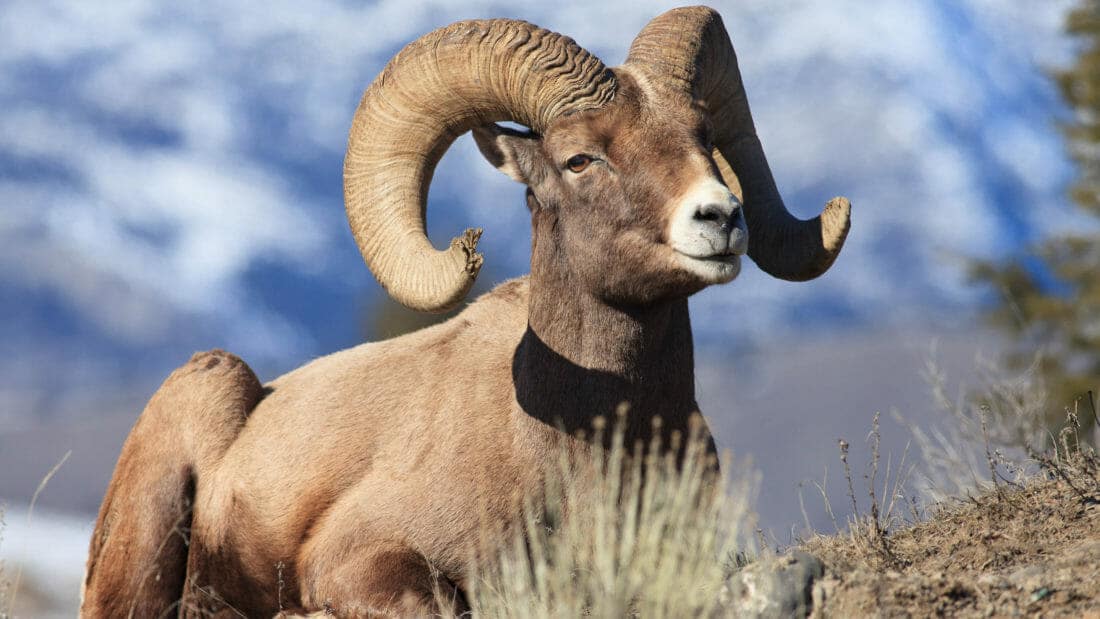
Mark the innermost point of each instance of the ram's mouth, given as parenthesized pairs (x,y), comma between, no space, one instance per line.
(727,258)
(717,268)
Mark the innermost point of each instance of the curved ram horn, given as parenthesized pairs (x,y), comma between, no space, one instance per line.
(688,51)
(438,87)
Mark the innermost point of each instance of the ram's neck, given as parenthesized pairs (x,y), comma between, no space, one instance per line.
(581,358)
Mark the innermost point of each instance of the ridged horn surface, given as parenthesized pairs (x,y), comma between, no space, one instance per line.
(468,74)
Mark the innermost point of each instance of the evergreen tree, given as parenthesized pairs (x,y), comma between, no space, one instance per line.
(1050,294)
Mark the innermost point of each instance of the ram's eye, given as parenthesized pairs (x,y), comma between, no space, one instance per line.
(577,163)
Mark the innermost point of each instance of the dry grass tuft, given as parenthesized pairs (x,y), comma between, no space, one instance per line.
(871,531)
(633,535)
(988,436)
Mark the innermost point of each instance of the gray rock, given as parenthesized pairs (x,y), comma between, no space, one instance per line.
(774,588)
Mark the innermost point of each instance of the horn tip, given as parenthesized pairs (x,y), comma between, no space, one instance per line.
(836,220)
(467,244)
(840,202)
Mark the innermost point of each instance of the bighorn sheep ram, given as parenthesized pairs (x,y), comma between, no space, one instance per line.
(336,486)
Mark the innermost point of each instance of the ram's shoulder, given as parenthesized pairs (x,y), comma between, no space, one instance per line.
(504,308)
(511,293)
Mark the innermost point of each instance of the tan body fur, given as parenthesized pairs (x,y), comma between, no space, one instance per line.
(380,476)
(345,471)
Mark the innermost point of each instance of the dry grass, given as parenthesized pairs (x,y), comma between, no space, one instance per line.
(5,583)
(990,433)
(1031,548)
(1009,521)
(637,535)
(9,589)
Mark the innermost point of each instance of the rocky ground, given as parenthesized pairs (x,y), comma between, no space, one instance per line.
(1016,550)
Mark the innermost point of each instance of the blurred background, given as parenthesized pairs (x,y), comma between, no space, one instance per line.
(170,181)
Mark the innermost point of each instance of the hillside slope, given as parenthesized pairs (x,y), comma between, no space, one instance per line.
(1032,550)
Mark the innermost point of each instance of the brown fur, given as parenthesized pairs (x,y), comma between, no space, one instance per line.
(139,548)
(355,474)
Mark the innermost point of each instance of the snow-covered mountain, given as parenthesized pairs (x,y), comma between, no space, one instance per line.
(170,175)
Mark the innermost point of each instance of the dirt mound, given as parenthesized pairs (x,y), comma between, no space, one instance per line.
(1031,550)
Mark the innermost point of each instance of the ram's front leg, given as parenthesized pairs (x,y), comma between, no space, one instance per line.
(374,578)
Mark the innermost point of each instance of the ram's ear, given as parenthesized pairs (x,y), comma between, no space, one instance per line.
(516,153)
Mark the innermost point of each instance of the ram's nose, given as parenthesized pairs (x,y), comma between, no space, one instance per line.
(726,220)
(724,215)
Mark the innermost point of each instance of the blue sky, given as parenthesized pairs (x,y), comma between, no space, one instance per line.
(170,176)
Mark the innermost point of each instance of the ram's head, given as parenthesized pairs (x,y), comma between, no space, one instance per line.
(645,181)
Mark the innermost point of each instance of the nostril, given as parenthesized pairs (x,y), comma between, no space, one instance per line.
(713,213)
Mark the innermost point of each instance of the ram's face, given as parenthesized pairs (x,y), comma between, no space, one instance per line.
(627,198)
